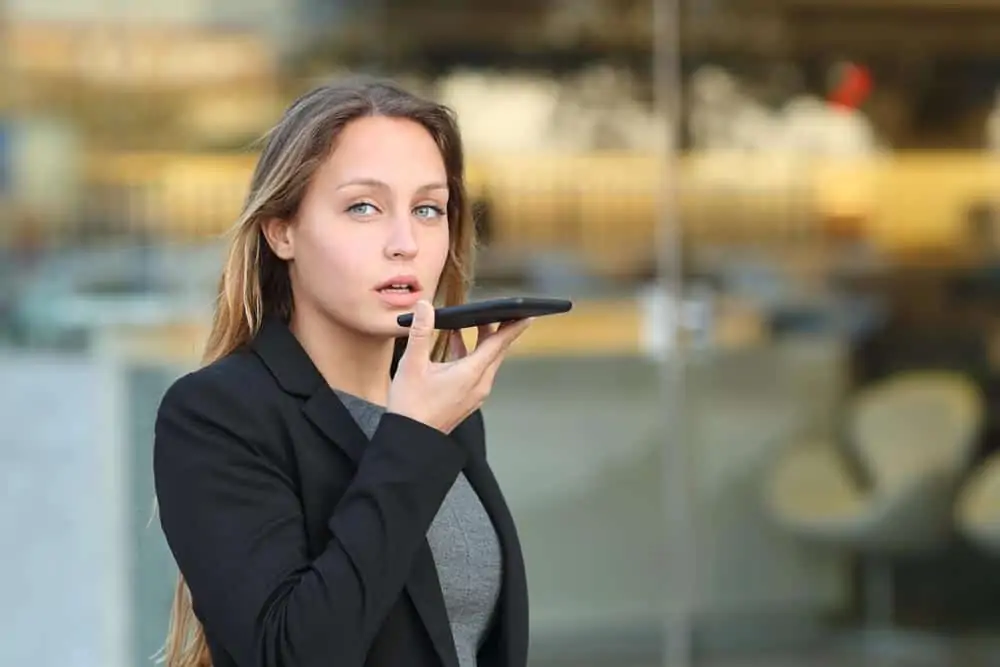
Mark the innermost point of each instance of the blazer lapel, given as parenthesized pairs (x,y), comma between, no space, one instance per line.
(295,372)
(332,417)
(424,589)
(512,614)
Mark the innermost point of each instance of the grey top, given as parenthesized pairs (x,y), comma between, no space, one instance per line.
(465,547)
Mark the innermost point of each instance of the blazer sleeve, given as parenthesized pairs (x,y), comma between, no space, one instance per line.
(234,523)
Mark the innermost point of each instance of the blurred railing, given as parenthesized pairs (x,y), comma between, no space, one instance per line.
(594,328)
(602,207)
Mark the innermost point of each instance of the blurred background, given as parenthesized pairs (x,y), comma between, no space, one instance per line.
(765,434)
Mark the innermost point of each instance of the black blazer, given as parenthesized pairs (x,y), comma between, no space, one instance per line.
(304,544)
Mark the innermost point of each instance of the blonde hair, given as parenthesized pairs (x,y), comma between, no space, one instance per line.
(255,282)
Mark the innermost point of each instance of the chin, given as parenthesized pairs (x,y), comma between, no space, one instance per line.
(372,325)
(385,327)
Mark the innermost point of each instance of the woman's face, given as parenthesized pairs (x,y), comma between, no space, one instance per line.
(371,235)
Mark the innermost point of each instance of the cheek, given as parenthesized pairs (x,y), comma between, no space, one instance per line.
(435,249)
(331,261)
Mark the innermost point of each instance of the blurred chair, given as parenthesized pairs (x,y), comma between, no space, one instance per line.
(889,490)
(977,510)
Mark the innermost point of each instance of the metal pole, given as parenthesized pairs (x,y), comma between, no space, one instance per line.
(680,529)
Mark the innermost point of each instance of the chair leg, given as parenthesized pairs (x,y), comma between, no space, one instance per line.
(879,594)
(880,635)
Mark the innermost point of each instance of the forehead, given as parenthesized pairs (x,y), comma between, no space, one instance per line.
(397,151)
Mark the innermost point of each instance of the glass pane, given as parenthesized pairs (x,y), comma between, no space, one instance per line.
(838,216)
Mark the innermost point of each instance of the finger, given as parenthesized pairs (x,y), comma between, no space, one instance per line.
(487,330)
(489,374)
(510,332)
(483,332)
(499,341)
(456,346)
(420,341)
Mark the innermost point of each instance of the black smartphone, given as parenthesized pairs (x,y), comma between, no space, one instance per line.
(492,311)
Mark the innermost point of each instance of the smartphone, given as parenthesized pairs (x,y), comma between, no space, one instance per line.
(492,311)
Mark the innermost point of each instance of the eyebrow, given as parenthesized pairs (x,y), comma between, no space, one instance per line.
(381,185)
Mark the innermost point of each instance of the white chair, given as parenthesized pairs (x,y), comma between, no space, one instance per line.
(977,509)
(914,435)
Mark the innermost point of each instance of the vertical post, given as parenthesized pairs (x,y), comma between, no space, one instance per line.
(6,66)
(680,529)
(6,104)
(879,597)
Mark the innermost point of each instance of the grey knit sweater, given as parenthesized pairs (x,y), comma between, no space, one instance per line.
(465,548)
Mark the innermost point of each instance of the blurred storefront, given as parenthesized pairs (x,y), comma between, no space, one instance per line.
(837,208)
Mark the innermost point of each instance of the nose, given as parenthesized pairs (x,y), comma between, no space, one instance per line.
(402,243)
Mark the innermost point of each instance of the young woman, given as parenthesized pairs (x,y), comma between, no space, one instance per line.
(323,488)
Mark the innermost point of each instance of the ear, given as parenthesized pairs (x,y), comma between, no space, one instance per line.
(278,233)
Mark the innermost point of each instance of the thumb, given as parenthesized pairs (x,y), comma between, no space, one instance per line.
(420,342)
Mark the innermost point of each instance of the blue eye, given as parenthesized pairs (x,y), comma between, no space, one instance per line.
(362,208)
(429,212)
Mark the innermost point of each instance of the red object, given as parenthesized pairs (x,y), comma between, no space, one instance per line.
(854,87)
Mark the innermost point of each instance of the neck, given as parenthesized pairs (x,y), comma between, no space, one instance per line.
(348,361)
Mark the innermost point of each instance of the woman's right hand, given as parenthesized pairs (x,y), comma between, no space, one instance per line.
(442,395)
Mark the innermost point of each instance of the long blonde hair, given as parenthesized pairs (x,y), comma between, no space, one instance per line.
(255,282)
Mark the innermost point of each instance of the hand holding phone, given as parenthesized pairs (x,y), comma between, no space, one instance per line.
(443,395)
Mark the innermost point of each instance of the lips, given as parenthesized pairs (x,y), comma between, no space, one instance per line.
(399,285)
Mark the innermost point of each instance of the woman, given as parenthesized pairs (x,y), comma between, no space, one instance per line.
(325,491)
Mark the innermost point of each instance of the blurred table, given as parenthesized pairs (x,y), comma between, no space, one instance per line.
(598,328)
